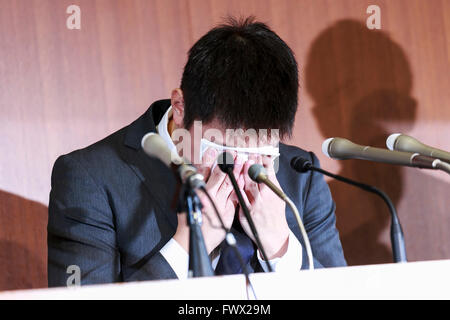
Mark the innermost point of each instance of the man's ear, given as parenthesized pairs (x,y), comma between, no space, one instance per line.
(177,107)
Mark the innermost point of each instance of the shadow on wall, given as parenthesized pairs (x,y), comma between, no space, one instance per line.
(360,80)
(361,83)
(23,243)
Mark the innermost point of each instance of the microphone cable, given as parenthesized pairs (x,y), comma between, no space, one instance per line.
(303,165)
(303,232)
(226,164)
(231,241)
(255,172)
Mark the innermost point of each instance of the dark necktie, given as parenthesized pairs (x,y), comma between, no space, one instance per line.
(228,262)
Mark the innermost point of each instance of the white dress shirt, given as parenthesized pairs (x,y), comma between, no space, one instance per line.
(178,258)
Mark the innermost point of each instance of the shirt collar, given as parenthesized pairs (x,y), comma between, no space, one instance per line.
(163,130)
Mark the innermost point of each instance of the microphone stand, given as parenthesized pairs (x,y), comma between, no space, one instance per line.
(442,165)
(397,238)
(199,261)
(226,164)
(249,218)
(230,240)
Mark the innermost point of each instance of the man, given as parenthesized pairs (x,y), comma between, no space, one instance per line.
(111,211)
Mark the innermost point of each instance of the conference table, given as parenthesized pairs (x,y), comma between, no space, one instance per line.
(412,280)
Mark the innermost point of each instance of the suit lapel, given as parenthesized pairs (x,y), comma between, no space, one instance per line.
(157,178)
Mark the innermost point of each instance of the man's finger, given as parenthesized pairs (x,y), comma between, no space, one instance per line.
(251,187)
(215,180)
(247,201)
(258,160)
(238,165)
(268,165)
(225,189)
(208,159)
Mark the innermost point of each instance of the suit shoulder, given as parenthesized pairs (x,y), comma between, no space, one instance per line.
(291,151)
(97,160)
(100,150)
(287,152)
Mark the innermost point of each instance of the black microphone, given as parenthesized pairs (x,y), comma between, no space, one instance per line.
(303,165)
(226,164)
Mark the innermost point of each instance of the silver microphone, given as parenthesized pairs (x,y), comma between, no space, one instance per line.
(402,142)
(342,149)
(259,174)
(155,146)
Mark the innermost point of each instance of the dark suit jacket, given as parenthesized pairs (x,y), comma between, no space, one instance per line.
(110,209)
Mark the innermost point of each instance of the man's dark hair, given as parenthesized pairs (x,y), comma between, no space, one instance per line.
(242,74)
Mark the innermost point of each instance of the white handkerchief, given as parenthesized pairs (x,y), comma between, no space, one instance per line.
(242,153)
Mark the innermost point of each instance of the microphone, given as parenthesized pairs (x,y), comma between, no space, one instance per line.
(259,174)
(155,146)
(226,164)
(199,263)
(343,149)
(402,142)
(303,165)
(230,240)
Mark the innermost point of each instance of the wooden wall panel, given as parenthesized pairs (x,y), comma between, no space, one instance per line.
(63,89)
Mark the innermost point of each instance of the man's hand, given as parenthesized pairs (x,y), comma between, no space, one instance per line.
(266,210)
(220,189)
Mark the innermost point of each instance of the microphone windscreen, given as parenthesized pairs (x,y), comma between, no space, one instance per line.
(390,141)
(255,170)
(405,143)
(341,149)
(326,145)
(300,164)
(155,146)
(225,161)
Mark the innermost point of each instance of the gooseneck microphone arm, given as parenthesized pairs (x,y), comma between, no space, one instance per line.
(155,146)
(199,262)
(231,240)
(226,164)
(302,165)
(443,166)
(403,142)
(342,149)
(259,174)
